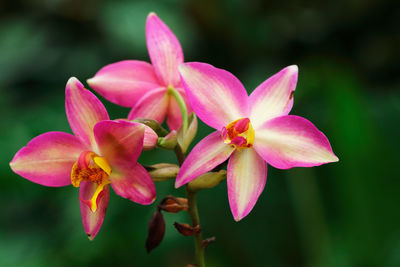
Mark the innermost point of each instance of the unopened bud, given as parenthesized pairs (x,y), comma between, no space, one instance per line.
(187,230)
(156,231)
(163,171)
(173,204)
(150,138)
(169,141)
(153,124)
(207,180)
(185,138)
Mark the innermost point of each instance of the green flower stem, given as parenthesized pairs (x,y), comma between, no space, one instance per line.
(182,106)
(194,214)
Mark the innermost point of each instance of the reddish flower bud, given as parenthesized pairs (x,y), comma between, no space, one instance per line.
(173,204)
(187,230)
(156,231)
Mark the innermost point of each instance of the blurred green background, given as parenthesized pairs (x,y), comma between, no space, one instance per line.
(341,214)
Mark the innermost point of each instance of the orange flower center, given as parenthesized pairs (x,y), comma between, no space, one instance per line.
(90,167)
(239,133)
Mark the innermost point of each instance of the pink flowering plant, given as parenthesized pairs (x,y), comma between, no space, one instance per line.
(252,132)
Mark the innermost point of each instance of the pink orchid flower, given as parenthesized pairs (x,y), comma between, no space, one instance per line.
(142,86)
(101,152)
(251,130)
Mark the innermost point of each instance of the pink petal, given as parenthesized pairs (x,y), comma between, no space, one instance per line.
(84,110)
(48,159)
(92,221)
(125,82)
(247,174)
(164,49)
(135,184)
(274,97)
(292,141)
(174,115)
(216,96)
(206,155)
(150,138)
(120,142)
(153,105)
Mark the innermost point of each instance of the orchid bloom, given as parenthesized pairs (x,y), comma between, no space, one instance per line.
(145,87)
(251,131)
(101,152)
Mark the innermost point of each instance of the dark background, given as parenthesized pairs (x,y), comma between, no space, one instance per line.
(340,214)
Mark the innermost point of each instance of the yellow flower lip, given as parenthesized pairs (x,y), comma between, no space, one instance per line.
(239,133)
(91,168)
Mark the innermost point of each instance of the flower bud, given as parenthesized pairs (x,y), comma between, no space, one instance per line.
(156,231)
(185,138)
(150,138)
(187,230)
(153,124)
(168,142)
(173,204)
(207,180)
(163,171)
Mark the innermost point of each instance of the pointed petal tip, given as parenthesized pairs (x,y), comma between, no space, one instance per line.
(292,71)
(334,158)
(90,236)
(13,165)
(177,184)
(12,162)
(293,68)
(239,217)
(152,14)
(72,80)
(91,81)
(331,158)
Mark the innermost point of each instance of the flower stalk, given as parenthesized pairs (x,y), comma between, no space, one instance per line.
(194,216)
(191,195)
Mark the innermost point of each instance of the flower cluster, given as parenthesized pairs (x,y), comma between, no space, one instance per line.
(251,132)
